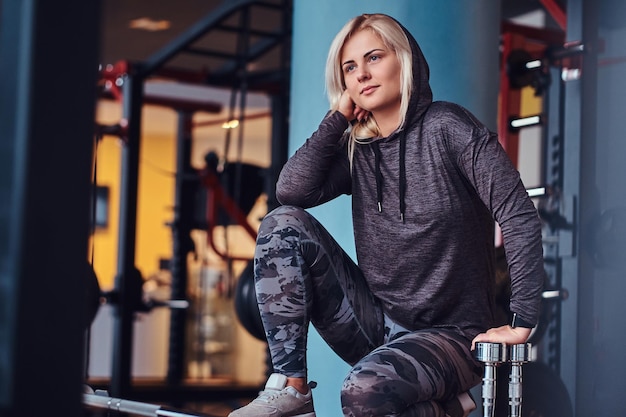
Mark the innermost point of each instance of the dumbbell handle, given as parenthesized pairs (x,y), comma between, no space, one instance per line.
(519,354)
(489,390)
(491,354)
(515,391)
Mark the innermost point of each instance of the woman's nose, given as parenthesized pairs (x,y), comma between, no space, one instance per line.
(362,75)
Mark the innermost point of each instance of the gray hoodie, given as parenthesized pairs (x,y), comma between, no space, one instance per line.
(441,181)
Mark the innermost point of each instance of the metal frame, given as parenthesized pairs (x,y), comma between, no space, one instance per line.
(232,74)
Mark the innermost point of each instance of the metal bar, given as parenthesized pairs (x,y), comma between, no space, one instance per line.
(182,245)
(264,81)
(545,35)
(129,294)
(269,5)
(182,104)
(253,32)
(134,407)
(222,12)
(556,12)
(256,50)
(119,405)
(242,50)
(552,174)
(280,114)
(210,53)
(220,122)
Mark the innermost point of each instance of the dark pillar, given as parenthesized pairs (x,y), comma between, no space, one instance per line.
(48,73)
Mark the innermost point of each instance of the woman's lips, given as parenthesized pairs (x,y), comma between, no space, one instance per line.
(369,89)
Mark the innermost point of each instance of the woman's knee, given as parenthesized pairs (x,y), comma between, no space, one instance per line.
(286,210)
(283,217)
(368,392)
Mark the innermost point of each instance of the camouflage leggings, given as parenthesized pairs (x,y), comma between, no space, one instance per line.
(302,276)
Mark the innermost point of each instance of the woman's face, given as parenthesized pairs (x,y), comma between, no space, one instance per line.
(371,73)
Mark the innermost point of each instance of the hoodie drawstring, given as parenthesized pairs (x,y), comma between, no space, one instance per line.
(401,181)
(379,176)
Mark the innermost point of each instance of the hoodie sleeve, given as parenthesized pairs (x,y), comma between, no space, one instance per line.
(485,164)
(319,170)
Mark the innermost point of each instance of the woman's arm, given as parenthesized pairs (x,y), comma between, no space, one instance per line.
(499,185)
(491,172)
(319,171)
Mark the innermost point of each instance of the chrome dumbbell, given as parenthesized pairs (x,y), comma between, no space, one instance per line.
(491,354)
(518,355)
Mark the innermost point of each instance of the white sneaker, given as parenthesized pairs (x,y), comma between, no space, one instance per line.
(278,400)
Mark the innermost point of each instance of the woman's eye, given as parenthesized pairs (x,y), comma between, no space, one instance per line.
(348,68)
(374,58)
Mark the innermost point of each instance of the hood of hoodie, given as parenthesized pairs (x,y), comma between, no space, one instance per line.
(421,96)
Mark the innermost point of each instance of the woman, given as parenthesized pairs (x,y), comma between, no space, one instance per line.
(427,181)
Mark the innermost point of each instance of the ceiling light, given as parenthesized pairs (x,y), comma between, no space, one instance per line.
(150,25)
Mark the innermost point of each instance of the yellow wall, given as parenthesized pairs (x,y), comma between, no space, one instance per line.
(530,104)
(155,209)
(104,244)
(155,196)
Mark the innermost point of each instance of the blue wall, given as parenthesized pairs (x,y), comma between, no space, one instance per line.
(460,41)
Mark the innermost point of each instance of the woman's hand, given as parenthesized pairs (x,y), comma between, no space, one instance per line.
(503,334)
(350,110)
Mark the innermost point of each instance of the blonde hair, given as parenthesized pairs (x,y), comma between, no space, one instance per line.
(393,37)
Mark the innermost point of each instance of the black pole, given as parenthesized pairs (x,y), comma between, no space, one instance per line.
(186,186)
(280,112)
(128,280)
